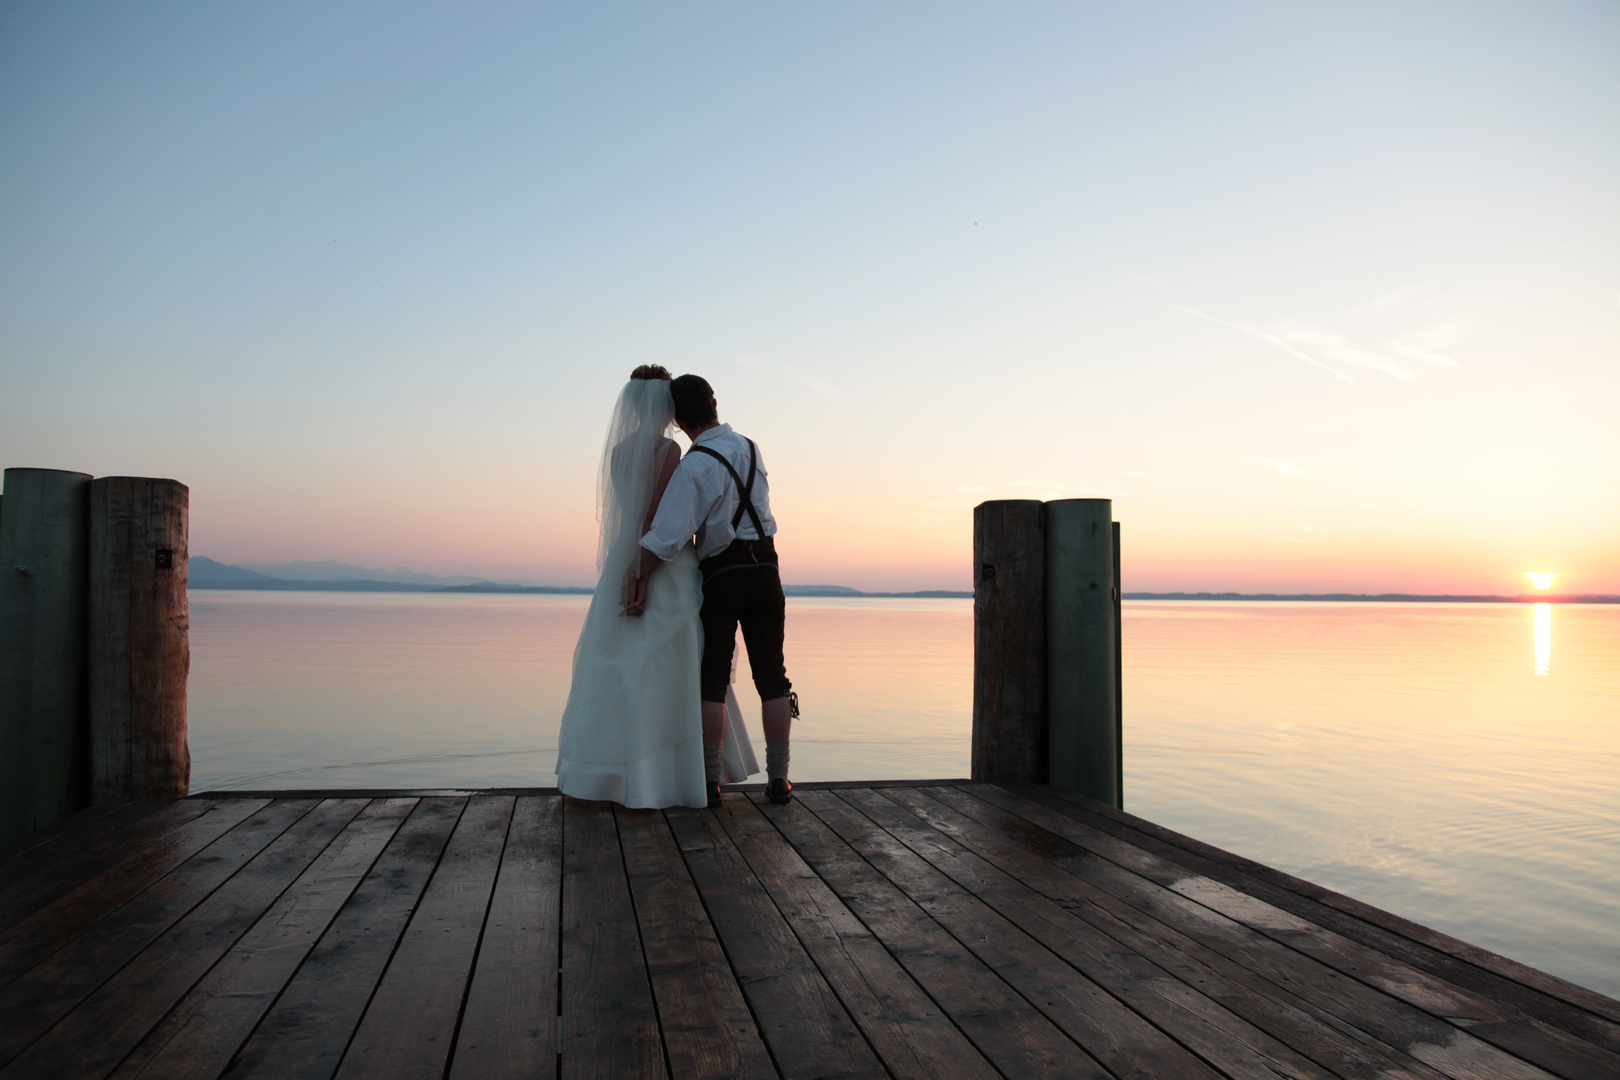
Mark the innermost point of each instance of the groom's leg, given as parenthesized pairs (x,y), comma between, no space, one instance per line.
(778,720)
(714,721)
(714,733)
(763,624)
(719,618)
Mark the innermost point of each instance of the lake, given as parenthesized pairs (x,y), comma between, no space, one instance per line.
(1458,764)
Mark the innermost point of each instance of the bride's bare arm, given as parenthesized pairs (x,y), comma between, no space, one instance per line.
(635,589)
(666,469)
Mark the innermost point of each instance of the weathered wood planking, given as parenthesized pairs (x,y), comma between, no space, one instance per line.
(936,929)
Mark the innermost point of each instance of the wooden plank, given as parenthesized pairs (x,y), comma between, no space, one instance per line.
(1273,1011)
(906,1028)
(308,1028)
(1439,1043)
(1221,1038)
(54,906)
(198,1038)
(1121,1041)
(92,1039)
(609,1025)
(1352,919)
(707,1028)
(410,1025)
(1510,971)
(800,1017)
(43,874)
(1167,921)
(61,835)
(42,996)
(1484,1018)
(1005,1028)
(509,1024)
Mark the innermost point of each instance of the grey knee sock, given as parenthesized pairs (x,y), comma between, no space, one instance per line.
(776,759)
(711,761)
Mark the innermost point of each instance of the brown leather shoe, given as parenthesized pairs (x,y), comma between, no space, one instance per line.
(779,791)
(714,796)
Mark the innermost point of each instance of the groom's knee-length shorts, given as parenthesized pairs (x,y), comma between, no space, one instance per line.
(742,586)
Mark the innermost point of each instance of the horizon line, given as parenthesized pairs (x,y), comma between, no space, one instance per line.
(253,580)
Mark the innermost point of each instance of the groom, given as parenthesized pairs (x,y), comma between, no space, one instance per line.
(719,492)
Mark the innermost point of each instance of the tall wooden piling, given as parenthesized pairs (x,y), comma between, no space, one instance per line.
(1119,678)
(1082,736)
(44,536)
(1009,642)
(139,641)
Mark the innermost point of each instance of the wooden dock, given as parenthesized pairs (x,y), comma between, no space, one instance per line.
(939,929)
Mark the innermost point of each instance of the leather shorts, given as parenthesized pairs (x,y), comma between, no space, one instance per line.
(742,586)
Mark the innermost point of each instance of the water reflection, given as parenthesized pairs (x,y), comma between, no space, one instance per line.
(1543,620)
(1397,752)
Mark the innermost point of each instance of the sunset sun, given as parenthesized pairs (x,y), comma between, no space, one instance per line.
(1540,578)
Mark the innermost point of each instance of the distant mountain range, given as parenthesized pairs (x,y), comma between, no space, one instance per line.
(333,576)
(332,570)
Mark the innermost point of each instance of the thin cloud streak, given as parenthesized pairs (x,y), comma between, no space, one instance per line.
(1393,298)
(1286,468)
(1325,349)
(791,374)
(1326,343)
(1049,489)
(1255,331)
(1422,344)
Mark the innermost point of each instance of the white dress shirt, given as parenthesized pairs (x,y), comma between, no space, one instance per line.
(702,498)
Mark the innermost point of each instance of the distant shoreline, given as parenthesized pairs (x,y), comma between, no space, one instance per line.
(1384,598)
(205,573)
(842,592)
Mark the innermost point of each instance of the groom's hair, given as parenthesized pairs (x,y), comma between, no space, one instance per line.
(694,401)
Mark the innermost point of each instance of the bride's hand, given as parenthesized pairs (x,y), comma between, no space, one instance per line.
(635,596)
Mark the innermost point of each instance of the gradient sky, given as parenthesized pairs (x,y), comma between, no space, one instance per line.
(1324,296)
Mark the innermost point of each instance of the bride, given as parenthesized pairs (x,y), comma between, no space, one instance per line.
(632,731)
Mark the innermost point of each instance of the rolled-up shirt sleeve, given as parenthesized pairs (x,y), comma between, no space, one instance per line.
(680,512)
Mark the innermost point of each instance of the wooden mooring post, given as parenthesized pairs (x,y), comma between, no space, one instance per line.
(1046,677)
(94,644)
(44,541)
(1009,641)
(139,640)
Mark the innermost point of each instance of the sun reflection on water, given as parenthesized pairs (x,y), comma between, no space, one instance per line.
(1543,622)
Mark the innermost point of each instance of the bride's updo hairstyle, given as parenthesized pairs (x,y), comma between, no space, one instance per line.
(694,401)
(651,371)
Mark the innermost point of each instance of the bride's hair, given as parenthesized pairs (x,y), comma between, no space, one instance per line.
(651,371)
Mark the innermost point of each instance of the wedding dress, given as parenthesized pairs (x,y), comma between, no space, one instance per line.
(632,731)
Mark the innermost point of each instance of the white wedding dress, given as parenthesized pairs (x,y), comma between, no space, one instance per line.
(632,731)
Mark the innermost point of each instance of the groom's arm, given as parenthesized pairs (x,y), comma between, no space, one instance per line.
(680,511)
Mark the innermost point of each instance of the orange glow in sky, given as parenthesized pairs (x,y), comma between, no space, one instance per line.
(371,290)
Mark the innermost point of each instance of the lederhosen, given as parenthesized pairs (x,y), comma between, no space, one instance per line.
(743,585)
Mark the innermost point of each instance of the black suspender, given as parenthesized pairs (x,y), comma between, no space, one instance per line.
(745,492)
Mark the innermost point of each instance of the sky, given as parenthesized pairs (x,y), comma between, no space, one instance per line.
(1324,297)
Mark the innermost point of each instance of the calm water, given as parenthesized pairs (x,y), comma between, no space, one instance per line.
(1457,764)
